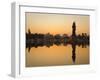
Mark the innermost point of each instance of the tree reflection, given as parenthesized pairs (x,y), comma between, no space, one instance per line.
(50,44)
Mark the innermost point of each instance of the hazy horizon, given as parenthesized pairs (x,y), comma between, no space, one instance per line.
(56,23)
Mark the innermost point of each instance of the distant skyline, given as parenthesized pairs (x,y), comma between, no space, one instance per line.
(56,23)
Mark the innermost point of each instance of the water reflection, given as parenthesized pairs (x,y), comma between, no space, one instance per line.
(73,52)
(50,44)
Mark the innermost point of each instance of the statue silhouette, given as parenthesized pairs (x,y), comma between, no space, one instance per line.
(73,29)
(73,42)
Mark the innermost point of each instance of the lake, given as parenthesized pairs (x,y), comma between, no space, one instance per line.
(57,55)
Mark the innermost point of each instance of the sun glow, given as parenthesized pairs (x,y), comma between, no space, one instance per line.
(56,23)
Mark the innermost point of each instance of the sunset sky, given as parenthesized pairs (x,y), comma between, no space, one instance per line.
(56,23)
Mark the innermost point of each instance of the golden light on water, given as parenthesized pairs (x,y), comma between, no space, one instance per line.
(56,55)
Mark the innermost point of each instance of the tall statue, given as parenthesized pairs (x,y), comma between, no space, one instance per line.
(74,29)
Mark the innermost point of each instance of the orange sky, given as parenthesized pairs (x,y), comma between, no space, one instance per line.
(56,23)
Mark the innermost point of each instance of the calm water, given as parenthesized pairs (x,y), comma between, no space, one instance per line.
(57,55)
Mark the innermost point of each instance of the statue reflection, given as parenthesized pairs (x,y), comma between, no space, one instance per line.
(73,52)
